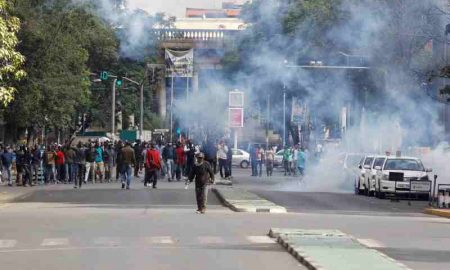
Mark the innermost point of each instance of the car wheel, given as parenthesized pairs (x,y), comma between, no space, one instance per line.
(358,189)
(244,164)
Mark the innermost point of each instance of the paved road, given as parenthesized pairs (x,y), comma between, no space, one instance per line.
(103,227)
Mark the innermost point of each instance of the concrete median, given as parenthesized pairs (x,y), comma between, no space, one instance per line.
(332,249)
(243,201)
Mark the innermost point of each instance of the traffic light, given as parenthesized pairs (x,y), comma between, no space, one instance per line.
(119,81)
(104,76)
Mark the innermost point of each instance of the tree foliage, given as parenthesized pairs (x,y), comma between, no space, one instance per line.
(11,60)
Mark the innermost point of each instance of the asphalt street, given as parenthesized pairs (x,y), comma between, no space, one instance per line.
(104,227)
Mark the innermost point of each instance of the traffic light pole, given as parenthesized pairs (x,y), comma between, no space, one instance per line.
(113,109)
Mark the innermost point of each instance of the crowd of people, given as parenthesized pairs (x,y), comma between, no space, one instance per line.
(95,161)
(294,160)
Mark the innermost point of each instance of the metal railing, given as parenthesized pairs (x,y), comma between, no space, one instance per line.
(195,35)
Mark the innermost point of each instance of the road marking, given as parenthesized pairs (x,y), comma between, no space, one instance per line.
(52,242)
(107,241)
(166,240)
(370,243)
(210,240)
(260,239)
(7,243)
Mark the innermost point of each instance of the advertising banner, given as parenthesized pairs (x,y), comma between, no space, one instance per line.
(236,117)
(179,63)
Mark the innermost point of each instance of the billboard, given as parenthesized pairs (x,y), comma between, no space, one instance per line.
(236,99)
(179,63)
(236,117)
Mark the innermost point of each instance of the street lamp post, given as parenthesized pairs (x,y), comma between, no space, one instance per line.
(284,114)
(113,109)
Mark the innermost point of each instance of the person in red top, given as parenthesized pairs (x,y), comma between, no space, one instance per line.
(180,161)
(152,165)
(60,167)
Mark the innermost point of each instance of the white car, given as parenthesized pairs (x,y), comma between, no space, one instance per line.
(371,174)
(241,158)
(395,174)
(278,158)
(364,166)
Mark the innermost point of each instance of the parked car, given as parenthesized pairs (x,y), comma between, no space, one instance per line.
(395,174)
(241,158)
(364,165)
(350,162)
(278,159)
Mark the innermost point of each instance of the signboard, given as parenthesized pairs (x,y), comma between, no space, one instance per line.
(179,63)
(420,186)
(236,99)
(161,130)
(298,115)
(236,117)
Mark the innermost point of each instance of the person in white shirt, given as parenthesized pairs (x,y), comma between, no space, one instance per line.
(222,151)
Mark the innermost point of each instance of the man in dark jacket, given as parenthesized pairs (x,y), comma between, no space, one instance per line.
(138,157)
(204,175)
(36,164)
(168,156)
(91,156)
(128,159)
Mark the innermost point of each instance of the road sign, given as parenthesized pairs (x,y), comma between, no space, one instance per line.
(104,75)
(236,117)
(161,130)
(236,99)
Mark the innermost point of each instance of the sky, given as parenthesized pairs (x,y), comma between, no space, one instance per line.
(172,7)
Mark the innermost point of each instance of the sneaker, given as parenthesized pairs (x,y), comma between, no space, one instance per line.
(202,211)
(198,212)
(128,187)
(75,187)
(123,185)
(154,187)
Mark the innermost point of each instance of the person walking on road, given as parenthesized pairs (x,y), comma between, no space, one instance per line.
(128,160)
(228,171)
(203,175)
(301,161)
(80,164)
(180,161)
(36,164)
(7,160)
(222,151)
(152,166)
(49,165)
(168,155)
(270,159)
(138,157)
(253,160)
(60,165)
(91,156)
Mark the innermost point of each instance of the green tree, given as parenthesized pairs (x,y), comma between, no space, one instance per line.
(11,61)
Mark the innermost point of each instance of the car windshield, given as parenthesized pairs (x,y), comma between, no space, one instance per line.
(353,160)
(403,165)
(368,161)
(378,162)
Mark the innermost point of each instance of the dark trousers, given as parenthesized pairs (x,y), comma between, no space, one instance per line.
(201,194)
(35,172)
(254,168)
(223,167)
(151,176)
(269,168)
(26,175)
(228,169)
(287,168)
(136,168)
(61,168)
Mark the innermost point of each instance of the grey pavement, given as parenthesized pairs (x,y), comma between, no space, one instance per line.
(104,227)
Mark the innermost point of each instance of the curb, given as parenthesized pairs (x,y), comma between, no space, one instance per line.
(288,239)
(223,183)
(438,212)
(246,202)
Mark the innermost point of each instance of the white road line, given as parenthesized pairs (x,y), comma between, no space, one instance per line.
(370,243)
(7,243)
(261,239)
(166,240)
(107,241)
(53,242)
(210,240)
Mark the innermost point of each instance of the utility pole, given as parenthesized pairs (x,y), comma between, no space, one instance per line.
(284,114)
(113,109)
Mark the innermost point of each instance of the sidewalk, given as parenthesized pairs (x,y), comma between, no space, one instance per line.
(438,212)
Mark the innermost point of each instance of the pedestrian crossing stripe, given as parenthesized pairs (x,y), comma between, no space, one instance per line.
(55,242)
(7,243)
(161,240)
(99,242)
